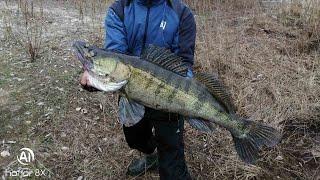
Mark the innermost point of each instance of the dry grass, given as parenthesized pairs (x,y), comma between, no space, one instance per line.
(272,79)
(25,25)
(270,61)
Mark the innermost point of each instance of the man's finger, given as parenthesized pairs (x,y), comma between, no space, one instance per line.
(83,80)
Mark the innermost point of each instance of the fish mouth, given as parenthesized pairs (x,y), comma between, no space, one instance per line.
(81,51)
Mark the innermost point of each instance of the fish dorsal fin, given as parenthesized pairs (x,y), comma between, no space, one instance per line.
(166,59)
(217,89)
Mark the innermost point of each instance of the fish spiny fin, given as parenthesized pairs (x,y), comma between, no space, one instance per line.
(217,89)
(166,59)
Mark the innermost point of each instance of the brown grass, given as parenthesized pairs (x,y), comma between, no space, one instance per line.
(270,61)
(26,25)
(272,79)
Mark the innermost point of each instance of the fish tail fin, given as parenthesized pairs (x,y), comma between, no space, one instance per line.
(257,135)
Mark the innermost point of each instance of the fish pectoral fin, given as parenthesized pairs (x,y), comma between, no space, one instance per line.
(201,125)
(130,112)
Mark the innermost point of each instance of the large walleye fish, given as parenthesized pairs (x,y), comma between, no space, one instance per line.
(158,80)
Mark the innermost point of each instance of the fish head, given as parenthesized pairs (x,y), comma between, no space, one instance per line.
(105,71)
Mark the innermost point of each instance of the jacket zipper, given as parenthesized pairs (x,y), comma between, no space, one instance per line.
(146,26)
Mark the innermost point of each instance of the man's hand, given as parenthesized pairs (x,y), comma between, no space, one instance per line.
(84,81)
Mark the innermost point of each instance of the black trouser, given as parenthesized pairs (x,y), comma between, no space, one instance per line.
(168,139)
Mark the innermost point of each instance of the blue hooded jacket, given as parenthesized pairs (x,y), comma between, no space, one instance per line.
(133,24)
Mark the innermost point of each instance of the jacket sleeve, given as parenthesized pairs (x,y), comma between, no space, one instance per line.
(115,38)
(186,36)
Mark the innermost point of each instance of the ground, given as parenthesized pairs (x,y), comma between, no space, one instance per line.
(270,63)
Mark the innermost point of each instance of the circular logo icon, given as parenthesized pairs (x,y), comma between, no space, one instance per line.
(26,156)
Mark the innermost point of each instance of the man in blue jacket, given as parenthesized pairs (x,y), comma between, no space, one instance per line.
(131,25)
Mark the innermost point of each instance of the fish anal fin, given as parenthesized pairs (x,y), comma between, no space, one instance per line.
(201,125)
